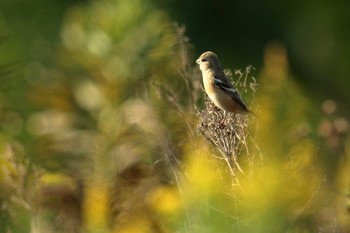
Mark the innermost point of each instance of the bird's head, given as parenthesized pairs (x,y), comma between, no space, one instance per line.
(208,60)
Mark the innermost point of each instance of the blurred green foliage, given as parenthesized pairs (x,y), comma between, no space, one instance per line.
(98,131)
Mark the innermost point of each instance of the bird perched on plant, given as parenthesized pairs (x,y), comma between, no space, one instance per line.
(218,87)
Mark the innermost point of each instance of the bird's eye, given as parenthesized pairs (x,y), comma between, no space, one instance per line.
(203,60)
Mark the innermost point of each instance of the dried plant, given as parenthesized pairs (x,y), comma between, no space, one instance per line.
(235,135)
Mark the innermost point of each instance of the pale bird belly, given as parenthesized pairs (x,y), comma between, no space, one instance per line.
(225,102)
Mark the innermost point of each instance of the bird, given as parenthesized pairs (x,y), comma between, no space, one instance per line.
(218,87)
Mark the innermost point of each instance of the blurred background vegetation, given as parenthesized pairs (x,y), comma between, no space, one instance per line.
(99,131)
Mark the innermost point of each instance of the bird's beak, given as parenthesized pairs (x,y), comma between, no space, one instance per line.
(198,61)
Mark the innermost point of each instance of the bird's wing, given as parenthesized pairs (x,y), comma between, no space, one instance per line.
(222,82)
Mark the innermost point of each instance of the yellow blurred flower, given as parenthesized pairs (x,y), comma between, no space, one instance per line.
(203,170)
(165,199)
(95,205)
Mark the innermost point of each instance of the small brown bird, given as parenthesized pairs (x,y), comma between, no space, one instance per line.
(218,87)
